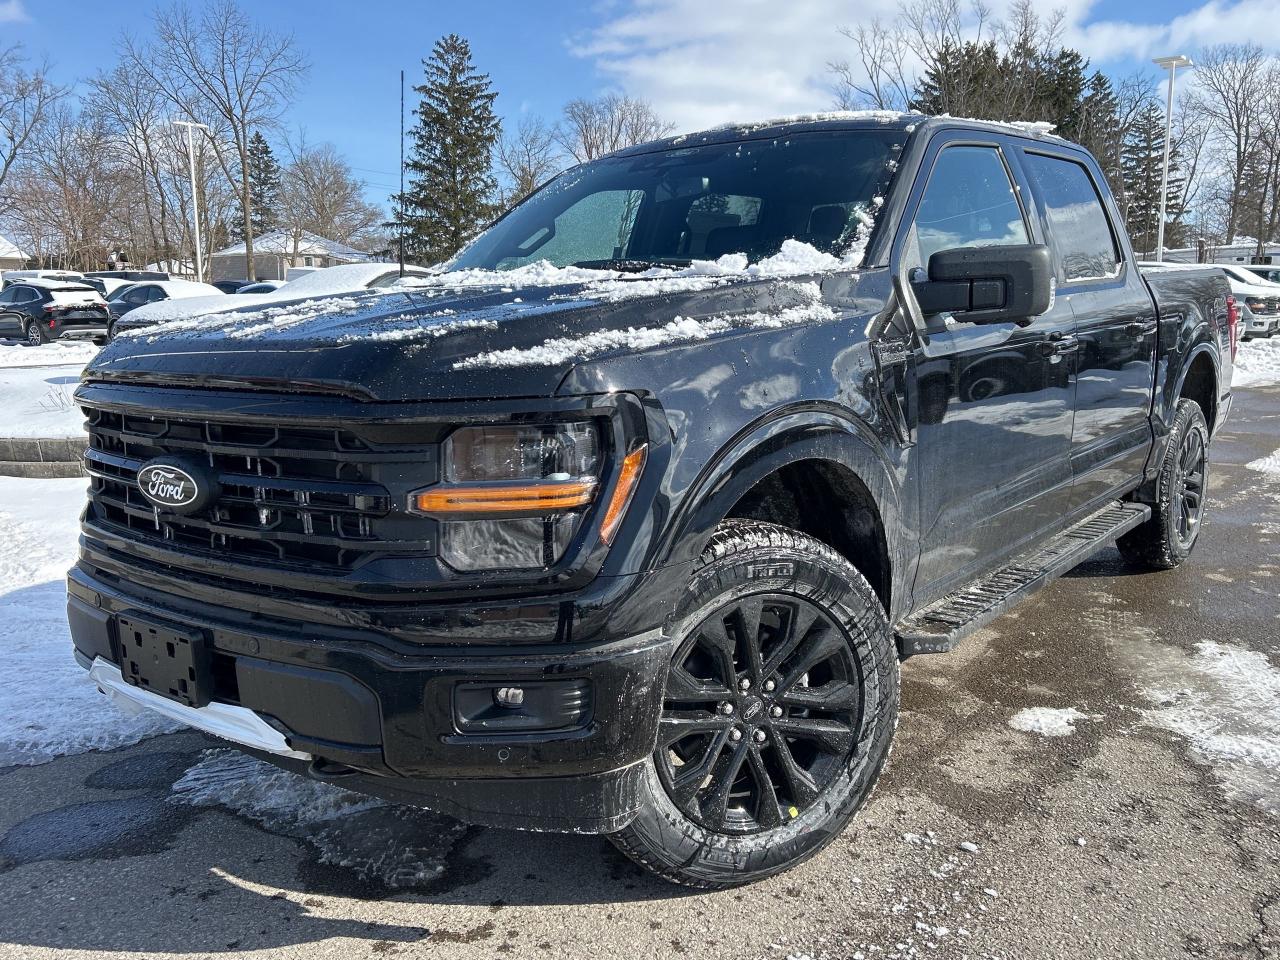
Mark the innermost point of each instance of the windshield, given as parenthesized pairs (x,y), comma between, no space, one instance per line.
(697,203)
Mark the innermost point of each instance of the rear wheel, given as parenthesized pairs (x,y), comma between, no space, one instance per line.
(36,333)
(779,711)
(1170,535)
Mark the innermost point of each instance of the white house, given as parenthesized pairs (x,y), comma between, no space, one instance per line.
(11,258)
(276,252)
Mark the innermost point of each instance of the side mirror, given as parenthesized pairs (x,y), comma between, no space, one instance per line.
(988,284)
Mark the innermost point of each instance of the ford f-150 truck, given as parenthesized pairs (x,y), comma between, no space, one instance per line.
(623,522)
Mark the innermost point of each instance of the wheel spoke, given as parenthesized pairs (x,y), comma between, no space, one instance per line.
(688,781)
(678,724)
(683,687)
(835,697)
(801,786)
(822,643)
(831,736)
(715,803)
(767,813)
(720,644)
(800,620)
(748,617)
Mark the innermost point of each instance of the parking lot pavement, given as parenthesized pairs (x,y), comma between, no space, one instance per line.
(1147,826)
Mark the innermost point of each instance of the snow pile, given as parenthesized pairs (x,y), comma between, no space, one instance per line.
(1049,721)
(1269,465)
(382,843)
(680,330)
(412,326)
(38,402)
(1226,701)
(251,323)
(58,353)
(1257,363)
(48,706)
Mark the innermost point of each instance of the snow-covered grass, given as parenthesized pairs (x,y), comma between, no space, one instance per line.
(1049,721)
(48,707)
(1257,363)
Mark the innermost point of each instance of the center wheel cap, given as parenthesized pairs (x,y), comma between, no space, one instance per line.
(752,707)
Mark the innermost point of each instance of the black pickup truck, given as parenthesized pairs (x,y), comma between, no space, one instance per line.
(624,523)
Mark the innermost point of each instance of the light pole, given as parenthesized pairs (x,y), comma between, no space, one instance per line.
(1171,64)
(195,202)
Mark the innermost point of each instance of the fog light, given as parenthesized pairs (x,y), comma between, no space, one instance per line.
(537,705)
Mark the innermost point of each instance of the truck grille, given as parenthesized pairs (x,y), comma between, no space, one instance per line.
(300,497)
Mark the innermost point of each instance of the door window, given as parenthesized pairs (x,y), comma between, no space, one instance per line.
(24,295)
(6,296)
(1076,217)
(968,202)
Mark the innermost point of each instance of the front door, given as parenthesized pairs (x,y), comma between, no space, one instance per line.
(1115,327)
(994,402)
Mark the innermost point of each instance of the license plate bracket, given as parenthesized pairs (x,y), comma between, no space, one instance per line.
(165,659)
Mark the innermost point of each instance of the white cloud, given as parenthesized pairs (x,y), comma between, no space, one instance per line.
(12,11)
(704,62)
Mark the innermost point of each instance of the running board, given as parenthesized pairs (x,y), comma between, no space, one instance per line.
(941,625)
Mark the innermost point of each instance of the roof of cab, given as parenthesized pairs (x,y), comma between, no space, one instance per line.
(838,120)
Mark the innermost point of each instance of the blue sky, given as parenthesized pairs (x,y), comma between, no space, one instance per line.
(699,61)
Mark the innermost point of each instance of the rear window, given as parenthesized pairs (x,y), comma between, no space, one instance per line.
(1076,217)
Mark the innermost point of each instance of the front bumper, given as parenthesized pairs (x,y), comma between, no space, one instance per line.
(377,712)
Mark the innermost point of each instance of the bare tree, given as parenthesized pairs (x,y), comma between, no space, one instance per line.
(1230,86)
(885,81)
(26,97)
(528,158)
(320,194)
(219,65)
(592,128)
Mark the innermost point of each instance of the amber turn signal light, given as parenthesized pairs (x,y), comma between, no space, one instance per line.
(632,465)
(457,501)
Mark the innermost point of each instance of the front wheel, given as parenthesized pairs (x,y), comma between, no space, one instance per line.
(1182,486)
(779,711)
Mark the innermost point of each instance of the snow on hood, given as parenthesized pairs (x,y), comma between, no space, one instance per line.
(792,260)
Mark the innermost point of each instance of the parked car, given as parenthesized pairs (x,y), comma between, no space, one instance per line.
(590,534)
(345,278)
(107,285)
(18,276)
(1265,271)
(262,286)
(1260,296)
(38,310)
(129,274)
(129,298)
(229,286)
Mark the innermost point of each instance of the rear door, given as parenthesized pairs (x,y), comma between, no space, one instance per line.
(994,403)
(10,319)
(1115,323)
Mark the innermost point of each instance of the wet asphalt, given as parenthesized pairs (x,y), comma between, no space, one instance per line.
(1126,839)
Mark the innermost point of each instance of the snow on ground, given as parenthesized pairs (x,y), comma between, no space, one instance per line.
(1225,700)
(1269,465)
(349,830)
(36,384)
(48,707)
(1049,721)
(1257,363)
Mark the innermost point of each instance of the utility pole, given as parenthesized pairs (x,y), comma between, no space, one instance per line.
(195,200)
(1171,64)
(400,199)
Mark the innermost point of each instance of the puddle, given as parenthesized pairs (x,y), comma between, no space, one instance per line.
(100,830)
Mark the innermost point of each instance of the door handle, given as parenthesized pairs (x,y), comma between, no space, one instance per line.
(1139,329)
(1058,346)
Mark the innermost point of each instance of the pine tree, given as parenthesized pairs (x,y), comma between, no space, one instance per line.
(264,190)
(452,189)
(1141,159)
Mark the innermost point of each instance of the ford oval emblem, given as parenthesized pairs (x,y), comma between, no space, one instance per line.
(175,486)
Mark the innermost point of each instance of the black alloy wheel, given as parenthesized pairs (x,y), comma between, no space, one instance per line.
(761,707)
(1190,487)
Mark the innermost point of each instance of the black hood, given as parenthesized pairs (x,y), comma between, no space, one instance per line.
(435,343)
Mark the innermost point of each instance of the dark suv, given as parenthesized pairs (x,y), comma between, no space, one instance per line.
(39,310)
(623,524)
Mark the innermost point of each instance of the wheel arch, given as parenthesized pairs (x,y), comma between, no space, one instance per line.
(1198,381)
(817,471)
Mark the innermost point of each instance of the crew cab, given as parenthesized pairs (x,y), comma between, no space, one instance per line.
(624,520)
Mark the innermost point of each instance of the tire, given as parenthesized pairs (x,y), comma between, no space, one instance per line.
(36,334)
(816,722)
(1170,535)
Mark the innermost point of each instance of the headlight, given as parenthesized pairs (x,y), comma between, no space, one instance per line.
(512,497)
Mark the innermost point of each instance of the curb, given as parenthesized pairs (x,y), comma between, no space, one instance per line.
(42,457)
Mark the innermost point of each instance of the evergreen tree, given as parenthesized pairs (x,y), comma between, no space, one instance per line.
(1142,157)
(452,188)
(1093,124)
(264,190)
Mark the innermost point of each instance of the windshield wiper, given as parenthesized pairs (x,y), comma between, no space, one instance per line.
(632,265)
